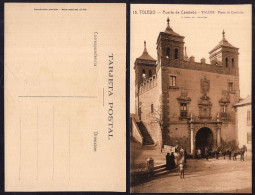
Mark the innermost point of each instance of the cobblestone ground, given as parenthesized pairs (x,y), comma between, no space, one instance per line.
(202,176)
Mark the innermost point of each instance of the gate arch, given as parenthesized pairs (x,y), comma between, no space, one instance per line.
(204,138)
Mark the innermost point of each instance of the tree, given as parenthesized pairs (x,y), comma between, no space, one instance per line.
(158,118)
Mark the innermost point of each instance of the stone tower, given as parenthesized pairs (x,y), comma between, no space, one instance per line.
(170,46)
(145,67)
(225,55)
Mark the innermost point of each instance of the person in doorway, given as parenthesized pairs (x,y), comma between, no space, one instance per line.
(206,153)
(198,153)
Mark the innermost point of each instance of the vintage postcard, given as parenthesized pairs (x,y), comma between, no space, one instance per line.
(190,98)
(65,102)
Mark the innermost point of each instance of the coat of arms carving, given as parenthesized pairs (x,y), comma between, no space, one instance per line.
(205,85)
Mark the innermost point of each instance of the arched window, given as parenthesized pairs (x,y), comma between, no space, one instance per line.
(168,52)
(226,62)
(233,62)
(176,54)
(143,74)
(150,73)
(152,109)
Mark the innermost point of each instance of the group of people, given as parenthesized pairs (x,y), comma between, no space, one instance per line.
(181,159)
(234,151)
(170,161)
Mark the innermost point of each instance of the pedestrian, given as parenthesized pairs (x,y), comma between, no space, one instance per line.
(217,152)
(168,161)
(181,166)
(242,154)
(229,153)
(198,153)
(224,153)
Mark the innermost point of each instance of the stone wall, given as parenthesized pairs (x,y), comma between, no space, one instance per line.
(190,81)
(150,93)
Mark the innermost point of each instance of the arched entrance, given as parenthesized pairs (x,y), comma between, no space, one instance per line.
(204,138)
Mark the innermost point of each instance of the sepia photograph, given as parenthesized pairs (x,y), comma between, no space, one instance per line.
(64,97)
(190,98)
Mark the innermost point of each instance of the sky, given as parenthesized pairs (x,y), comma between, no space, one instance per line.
(202,27)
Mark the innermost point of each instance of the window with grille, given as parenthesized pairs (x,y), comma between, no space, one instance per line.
(248,117)
(249,138)
(230,87)
(184,112)
(224,109)
(172,81)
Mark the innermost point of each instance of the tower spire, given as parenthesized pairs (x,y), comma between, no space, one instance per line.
(168,20)
(145,50)
(223,35)
(168,28)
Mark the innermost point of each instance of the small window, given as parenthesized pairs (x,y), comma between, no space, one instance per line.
(150,73)
(249,138)
(233,63)
(143,74)
(176,54)
(248,117)
(168,52)
(183,106)
(152,109)
(226,62)
(172,81)
(224,109)
(184,112)
(230,87)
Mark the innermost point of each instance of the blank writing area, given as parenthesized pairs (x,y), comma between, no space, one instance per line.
(56,97)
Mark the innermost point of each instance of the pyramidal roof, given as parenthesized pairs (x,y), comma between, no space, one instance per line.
(145,55)
(169,30)
(223,43)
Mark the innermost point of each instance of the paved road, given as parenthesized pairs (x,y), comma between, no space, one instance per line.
(203,176)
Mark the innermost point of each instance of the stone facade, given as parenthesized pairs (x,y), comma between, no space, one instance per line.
(244,123)
(189,95)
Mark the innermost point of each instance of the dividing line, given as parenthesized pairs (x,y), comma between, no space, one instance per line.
(103,96)
(69,149)
(53,143)
(19,147)
(37,147)
(30,96)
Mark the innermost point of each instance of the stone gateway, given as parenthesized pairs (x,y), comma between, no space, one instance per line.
(181,101)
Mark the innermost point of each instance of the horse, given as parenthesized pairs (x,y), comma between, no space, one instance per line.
(239,151)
